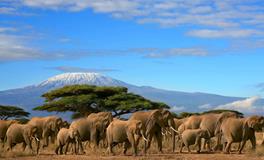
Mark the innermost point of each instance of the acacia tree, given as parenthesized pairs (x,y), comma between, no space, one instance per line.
(85,99)
(7,112)
(188,114)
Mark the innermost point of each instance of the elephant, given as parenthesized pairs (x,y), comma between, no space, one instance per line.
(4,125)
(240,130)
(21,133)
(129,132)
(47,127)
(210,122)
(193,137)
(154,121)
(93,127)
(178,122)
(65,137)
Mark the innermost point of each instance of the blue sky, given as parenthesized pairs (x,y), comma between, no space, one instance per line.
(194,46)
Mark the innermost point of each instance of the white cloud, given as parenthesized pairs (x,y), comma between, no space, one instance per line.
(229,17)
(7,10)
(171,52)
(248,105)
(81,69)
(16,48)
(205,106)
(206,33)
(7,29)
(64,40)
(177,108)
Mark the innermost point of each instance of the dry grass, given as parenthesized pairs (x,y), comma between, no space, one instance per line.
(100,153)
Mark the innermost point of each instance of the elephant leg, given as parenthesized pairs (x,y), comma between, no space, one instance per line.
(45,142)
(3,143)
(209,149)
(80,146)
(204,144)
(28,142)
(218,141)
(188,147)
(66,147)
(181,146)
(228,146)
(127,145)
(132,141)
(148,143)
(94,138)
(74,149)
(253,141)
(24,146)
(112,146)
(61,149)
(198,144)
(110,149)
(57,149)
(9,145)
(173,141)
(38,145)
(242,146)
(159,140)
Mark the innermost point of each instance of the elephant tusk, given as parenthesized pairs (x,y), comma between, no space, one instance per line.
(169,132)
(162,133)
(175,130)
(145,139)
(37,139)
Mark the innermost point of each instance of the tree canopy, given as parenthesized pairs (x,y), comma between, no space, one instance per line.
(7,112)
(85,99)
(188,114)
(223,110)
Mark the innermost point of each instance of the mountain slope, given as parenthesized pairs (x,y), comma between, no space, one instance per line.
(30,97)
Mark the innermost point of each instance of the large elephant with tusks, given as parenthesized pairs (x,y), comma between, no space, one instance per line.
(47,127)
(93,127)
(154,121)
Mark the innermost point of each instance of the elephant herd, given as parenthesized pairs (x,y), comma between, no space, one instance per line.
(102,128)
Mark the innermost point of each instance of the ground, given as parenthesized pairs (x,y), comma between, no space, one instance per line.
(101,154)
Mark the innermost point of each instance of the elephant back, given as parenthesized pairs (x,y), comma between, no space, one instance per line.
(15,132)
(83,126)
(141,115)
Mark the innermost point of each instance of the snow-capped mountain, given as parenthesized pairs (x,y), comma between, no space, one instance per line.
(80,78)
(30,96)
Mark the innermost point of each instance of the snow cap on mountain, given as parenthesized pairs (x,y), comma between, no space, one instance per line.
(81,78)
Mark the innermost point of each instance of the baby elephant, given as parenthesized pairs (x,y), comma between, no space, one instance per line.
(193,137)
(65,137)
(120,131)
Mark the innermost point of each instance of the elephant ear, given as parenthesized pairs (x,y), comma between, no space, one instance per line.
(139,124)
(51,126)
(154,118)
(167,118)
(34,130)
(71,133)
(59,123)
(254,121)
(220,120)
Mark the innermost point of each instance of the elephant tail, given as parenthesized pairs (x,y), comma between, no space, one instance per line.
(4,142)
